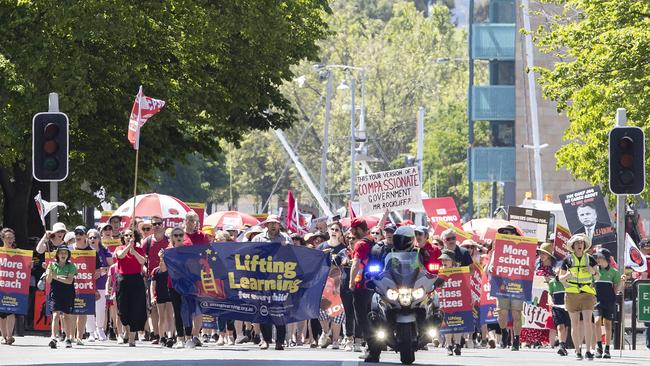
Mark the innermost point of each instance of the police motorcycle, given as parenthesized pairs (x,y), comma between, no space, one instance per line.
(405,312)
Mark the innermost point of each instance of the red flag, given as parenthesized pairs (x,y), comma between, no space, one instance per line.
(293,215)
(144,108)
(351,212)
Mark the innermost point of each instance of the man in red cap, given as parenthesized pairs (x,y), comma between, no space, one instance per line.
(362,297)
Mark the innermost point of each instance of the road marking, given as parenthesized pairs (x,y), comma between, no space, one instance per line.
(116,363)
(349,363)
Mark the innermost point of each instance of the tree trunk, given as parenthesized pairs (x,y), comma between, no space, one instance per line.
(19,209)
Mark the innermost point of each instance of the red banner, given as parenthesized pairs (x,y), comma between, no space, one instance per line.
(487,301)
(84,281)
(331,302)
(562,235)
(442,209)
(15,269)
(513,267)
(456,300)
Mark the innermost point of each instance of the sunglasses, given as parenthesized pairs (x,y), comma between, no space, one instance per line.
(146,229)
(156,223)
(93,238)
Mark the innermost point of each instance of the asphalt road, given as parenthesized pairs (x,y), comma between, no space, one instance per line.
(32,350)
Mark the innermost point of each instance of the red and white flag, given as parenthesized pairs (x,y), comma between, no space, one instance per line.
(45,207)
(144,107)
(293,215)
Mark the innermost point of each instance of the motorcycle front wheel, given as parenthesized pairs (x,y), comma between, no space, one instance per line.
(405,341)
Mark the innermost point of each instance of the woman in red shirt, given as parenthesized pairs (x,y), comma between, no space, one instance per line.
(131,295)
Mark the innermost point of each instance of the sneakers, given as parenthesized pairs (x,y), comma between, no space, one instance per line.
(230,341)
(589,356)
(170,343)
(279,346)
(450,350)
(101,335)
(562,351)
(205,338)
(606,354)
(68,343)
(91,338)
(349,345)
(190,344)
(324,341)
(356,347)
(578,355)
(52,343)
(492,344)
(335,345)
(515,343)
(264,345)
(240,339)
(10,340)
(179,344)
(457,350)
(79,342)
(197,342)
(221,341)
(599,353)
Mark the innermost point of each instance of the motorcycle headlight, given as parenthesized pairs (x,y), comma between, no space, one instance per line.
(418,293)
(405,296)
(392,294)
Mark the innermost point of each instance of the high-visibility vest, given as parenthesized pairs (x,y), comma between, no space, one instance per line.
(581,280)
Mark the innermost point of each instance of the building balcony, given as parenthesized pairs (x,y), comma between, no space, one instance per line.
(493,164)
(493,103)
(493,41)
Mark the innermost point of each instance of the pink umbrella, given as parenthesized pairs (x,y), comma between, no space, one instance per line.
(170,209)
(488,228)
(234,218)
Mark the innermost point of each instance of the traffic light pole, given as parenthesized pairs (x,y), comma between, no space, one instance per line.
(621,121)
(54,186)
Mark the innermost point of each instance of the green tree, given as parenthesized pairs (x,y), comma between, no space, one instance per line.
(218,65)
(602,49)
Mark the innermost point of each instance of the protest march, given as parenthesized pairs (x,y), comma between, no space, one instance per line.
(184,284)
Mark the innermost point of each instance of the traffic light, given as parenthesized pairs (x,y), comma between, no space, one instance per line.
(626,160)
(50,137)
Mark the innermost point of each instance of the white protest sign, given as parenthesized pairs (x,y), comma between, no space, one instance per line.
(391,190)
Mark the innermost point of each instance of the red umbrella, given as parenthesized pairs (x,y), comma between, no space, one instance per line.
(488,228)
(170,209)
(371,220)
(234,218)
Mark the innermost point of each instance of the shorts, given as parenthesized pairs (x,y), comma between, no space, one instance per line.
(339,319)
(579,302)
(510,304)
(605,310)
(560,317)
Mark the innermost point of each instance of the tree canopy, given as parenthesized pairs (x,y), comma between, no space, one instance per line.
(602,48)
(219,66)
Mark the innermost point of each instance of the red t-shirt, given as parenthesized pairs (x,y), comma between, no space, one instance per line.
(153,260)
(432,255)
(129,264)
(361,252)
(195,238)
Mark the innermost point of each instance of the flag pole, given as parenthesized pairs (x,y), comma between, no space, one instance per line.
(137,155)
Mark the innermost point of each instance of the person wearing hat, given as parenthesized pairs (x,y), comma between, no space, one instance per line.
(232,230)
(430,252)
(462,255)
(298,240)
(60,275)
(273,234)
(252,232)
(607,286)
(52,239)
(545,267)
(578,272)
(474,249)
(116,223)
(448,260)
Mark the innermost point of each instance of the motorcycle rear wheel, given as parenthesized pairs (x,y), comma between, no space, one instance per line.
(405,340)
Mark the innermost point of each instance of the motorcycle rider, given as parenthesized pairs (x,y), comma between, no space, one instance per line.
(403,241)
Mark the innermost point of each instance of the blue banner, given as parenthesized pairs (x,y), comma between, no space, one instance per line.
(256,282)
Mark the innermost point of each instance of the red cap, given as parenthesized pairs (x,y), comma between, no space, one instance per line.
(357,222)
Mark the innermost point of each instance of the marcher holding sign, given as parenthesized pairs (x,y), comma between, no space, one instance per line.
(455,302)
(512,268)
(15,268)
(391,190)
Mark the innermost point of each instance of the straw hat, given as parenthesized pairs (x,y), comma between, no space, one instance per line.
(547,248)
(253,231)
(578,237)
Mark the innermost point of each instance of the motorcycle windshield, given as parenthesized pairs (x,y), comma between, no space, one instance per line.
(403,267)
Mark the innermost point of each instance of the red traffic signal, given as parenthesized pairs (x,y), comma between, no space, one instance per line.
(50,137)
(626,160)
